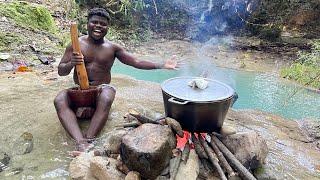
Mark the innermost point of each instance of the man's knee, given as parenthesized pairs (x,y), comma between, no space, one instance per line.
(107,96)
(61,100)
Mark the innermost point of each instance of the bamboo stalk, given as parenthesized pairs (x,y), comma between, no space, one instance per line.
(213,158)
(224,163)
(81,69)
(243,172)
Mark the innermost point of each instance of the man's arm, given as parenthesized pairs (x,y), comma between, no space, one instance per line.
(128,59)
(68,61)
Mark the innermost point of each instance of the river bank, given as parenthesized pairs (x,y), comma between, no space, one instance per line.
(26,106)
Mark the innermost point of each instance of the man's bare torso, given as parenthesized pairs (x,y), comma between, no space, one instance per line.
(98,60)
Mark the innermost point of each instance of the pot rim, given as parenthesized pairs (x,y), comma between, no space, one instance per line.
(195,101)
(200,102)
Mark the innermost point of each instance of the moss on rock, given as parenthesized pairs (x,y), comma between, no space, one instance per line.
(29,15)
(9,40)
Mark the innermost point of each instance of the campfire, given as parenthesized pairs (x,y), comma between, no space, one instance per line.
(159,148)
(207,146)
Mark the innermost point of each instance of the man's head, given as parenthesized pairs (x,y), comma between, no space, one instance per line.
(98,22)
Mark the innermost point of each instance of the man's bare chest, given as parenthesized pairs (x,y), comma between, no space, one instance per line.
(96,56)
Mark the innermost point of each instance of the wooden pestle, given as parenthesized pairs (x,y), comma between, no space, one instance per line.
(81,69)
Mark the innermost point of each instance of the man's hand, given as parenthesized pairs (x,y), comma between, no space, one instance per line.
(172,63)
(76,59)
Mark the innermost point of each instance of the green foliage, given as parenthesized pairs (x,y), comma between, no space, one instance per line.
(306,70)
(9,40)
(29,15)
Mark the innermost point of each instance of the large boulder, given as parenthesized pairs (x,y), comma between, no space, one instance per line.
(148,149)
(105,168)
(248,147)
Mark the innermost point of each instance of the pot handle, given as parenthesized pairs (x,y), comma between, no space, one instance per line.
(172,100)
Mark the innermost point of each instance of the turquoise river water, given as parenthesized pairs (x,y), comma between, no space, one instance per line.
(262,91)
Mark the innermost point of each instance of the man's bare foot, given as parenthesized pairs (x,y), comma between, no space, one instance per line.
(82,146)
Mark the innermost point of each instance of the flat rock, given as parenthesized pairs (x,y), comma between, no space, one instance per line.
(148,149)
(103,168)
(248,147)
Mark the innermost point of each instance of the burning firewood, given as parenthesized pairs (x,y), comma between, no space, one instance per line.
(175,126)
(224,163)
(197,146)
(185,153)
(141,118)
(213,158)
(243,172)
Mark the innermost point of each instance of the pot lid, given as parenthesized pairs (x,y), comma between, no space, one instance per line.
(178,87)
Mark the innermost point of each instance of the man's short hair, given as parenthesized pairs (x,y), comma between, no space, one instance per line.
(99,12)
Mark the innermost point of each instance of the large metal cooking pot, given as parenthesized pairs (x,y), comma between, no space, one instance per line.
(197,110)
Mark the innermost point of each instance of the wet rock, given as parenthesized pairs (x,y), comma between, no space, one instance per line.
(266,174)
(105,168)
(4,56)
(248,147)
(4,161)
(79,168)
(148,149)
(15,171)
(190,170)
(24,144)
(6,66)
(60,172)
(133,175)
(311,128)
(112,141)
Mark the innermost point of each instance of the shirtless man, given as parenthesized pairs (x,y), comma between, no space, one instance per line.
(99,55)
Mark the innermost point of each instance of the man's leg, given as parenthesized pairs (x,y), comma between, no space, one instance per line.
(68,118)
(100,117)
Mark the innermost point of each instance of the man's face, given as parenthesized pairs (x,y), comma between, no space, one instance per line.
(97,27)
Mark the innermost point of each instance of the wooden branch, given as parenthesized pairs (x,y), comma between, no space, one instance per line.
(212,157)
(197,146)
(81,69)
(175,126)
(185,153)
(243,172)
(141,118)
(224,163)
(131,124)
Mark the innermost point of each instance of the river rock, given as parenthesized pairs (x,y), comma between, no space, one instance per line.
(248,147)
(79,168)
(105,168)
(112,141)
(133,175)
(311,128)
(24,144)
(6,66)
(190,170)
(148,149)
